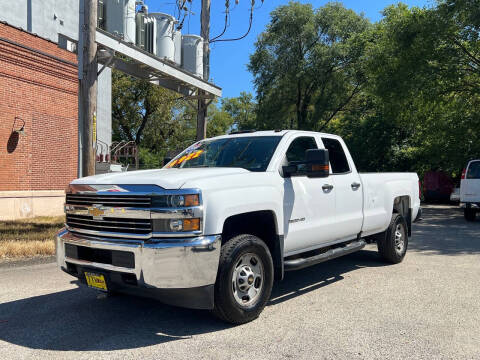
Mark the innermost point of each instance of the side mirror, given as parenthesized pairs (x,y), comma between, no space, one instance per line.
(166,161)
(317,161)
(289,170)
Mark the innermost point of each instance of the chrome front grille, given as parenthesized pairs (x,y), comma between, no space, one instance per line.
(109,224)
(134,212)
(109,200)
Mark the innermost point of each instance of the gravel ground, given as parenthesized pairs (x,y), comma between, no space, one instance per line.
(354,307)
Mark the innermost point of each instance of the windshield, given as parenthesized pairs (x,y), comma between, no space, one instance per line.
(474,170)
(252,153)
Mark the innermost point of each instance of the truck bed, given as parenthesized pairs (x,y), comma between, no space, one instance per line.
(380,190)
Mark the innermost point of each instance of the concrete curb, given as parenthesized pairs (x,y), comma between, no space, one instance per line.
(27,261)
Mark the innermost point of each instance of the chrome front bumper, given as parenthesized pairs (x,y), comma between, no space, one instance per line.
(166,264)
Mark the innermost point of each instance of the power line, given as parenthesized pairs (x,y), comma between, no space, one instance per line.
(227,8)
(216,39)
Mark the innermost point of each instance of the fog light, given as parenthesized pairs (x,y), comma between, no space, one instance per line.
(176,225)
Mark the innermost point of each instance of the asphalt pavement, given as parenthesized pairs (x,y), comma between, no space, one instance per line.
(355,307)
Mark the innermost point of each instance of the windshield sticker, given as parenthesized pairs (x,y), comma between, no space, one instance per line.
(186,157)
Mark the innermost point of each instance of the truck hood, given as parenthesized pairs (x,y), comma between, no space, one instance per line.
(165,178)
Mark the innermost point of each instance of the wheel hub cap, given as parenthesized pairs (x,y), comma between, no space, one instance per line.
(399,238)
(247,280)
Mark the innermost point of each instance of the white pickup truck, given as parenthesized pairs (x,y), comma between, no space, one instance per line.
(470,189)
(225,218)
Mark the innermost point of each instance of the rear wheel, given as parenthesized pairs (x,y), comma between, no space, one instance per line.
(244,281)
(469,214)
(392,244)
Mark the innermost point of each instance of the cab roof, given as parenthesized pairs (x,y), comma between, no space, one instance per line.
(250,133)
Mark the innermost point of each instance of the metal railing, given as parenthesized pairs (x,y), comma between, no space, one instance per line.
(124,152)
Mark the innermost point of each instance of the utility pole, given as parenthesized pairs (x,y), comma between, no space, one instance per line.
(202,103)
(88,89)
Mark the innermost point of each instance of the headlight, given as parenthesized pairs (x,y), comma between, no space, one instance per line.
(177,213)
(176,201)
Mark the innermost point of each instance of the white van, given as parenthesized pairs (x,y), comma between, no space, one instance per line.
(470,189)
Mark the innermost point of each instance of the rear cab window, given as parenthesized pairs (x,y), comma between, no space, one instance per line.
(473,170)
(338,159)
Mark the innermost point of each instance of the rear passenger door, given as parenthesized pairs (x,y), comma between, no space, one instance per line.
(348,190)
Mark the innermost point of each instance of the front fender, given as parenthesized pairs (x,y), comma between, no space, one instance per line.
(220,204)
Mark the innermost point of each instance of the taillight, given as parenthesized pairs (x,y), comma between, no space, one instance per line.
(463,173)
(419,189)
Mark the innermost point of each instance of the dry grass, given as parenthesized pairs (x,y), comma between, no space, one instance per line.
(29,237)
(12,249)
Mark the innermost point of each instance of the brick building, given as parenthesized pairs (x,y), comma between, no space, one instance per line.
(39,93)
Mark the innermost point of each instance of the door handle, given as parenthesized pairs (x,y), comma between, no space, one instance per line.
(327,187)
(355,185)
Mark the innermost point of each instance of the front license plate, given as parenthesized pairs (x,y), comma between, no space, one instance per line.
(96,281)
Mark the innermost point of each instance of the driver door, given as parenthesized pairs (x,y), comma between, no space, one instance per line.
(309,203)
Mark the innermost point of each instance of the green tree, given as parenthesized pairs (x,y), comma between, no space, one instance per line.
(219,122)
(138,105)
(425,81)
(242,110)
(307,65)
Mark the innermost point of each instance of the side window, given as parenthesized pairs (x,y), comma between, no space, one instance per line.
(338,160)
(296,150)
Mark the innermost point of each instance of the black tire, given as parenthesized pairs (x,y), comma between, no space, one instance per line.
(386,242)
(469,214)
(227,307)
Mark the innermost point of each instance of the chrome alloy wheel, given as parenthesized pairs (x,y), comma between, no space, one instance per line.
(399,238)
(247,280)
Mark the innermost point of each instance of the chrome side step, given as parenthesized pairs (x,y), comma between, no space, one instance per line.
(301,263)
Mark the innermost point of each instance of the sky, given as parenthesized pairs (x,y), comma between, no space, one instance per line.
(228,60)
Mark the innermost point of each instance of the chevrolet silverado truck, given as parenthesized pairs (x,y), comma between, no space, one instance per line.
(229,215)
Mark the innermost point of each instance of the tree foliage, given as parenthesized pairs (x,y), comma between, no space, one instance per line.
(307,65)
(425,84)
(242,111)
(403,92)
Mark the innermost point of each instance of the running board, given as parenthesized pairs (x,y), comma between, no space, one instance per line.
(301,263)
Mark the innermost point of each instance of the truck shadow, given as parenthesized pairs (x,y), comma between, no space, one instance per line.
(75,320)
(297,283)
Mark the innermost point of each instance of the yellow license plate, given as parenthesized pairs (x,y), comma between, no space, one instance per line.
(96,281)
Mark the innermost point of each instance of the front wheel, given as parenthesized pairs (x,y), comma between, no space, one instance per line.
(392,244)
(469,214)
(244,280)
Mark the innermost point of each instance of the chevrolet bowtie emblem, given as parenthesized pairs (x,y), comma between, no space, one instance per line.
(96,212)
